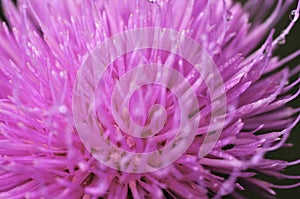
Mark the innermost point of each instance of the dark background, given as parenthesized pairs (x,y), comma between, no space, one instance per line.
(292,44)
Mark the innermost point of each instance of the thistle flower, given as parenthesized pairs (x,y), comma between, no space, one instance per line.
(44,44)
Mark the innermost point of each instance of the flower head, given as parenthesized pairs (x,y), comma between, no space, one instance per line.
(188,76)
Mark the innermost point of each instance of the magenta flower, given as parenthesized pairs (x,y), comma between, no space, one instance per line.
(47,49)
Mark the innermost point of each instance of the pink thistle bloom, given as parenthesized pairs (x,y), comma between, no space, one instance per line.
(44,44)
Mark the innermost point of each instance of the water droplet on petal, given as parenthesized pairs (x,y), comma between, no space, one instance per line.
(281,40)
(62,74)
(152,1)
(62,109)
(180,62)
(228,15)
(293,15)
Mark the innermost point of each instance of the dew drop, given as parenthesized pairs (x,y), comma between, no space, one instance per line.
(152,1)
(180,62)
(281,40)
(62,109)
(62,74)
(195,168)
(228,15)
(293,15)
